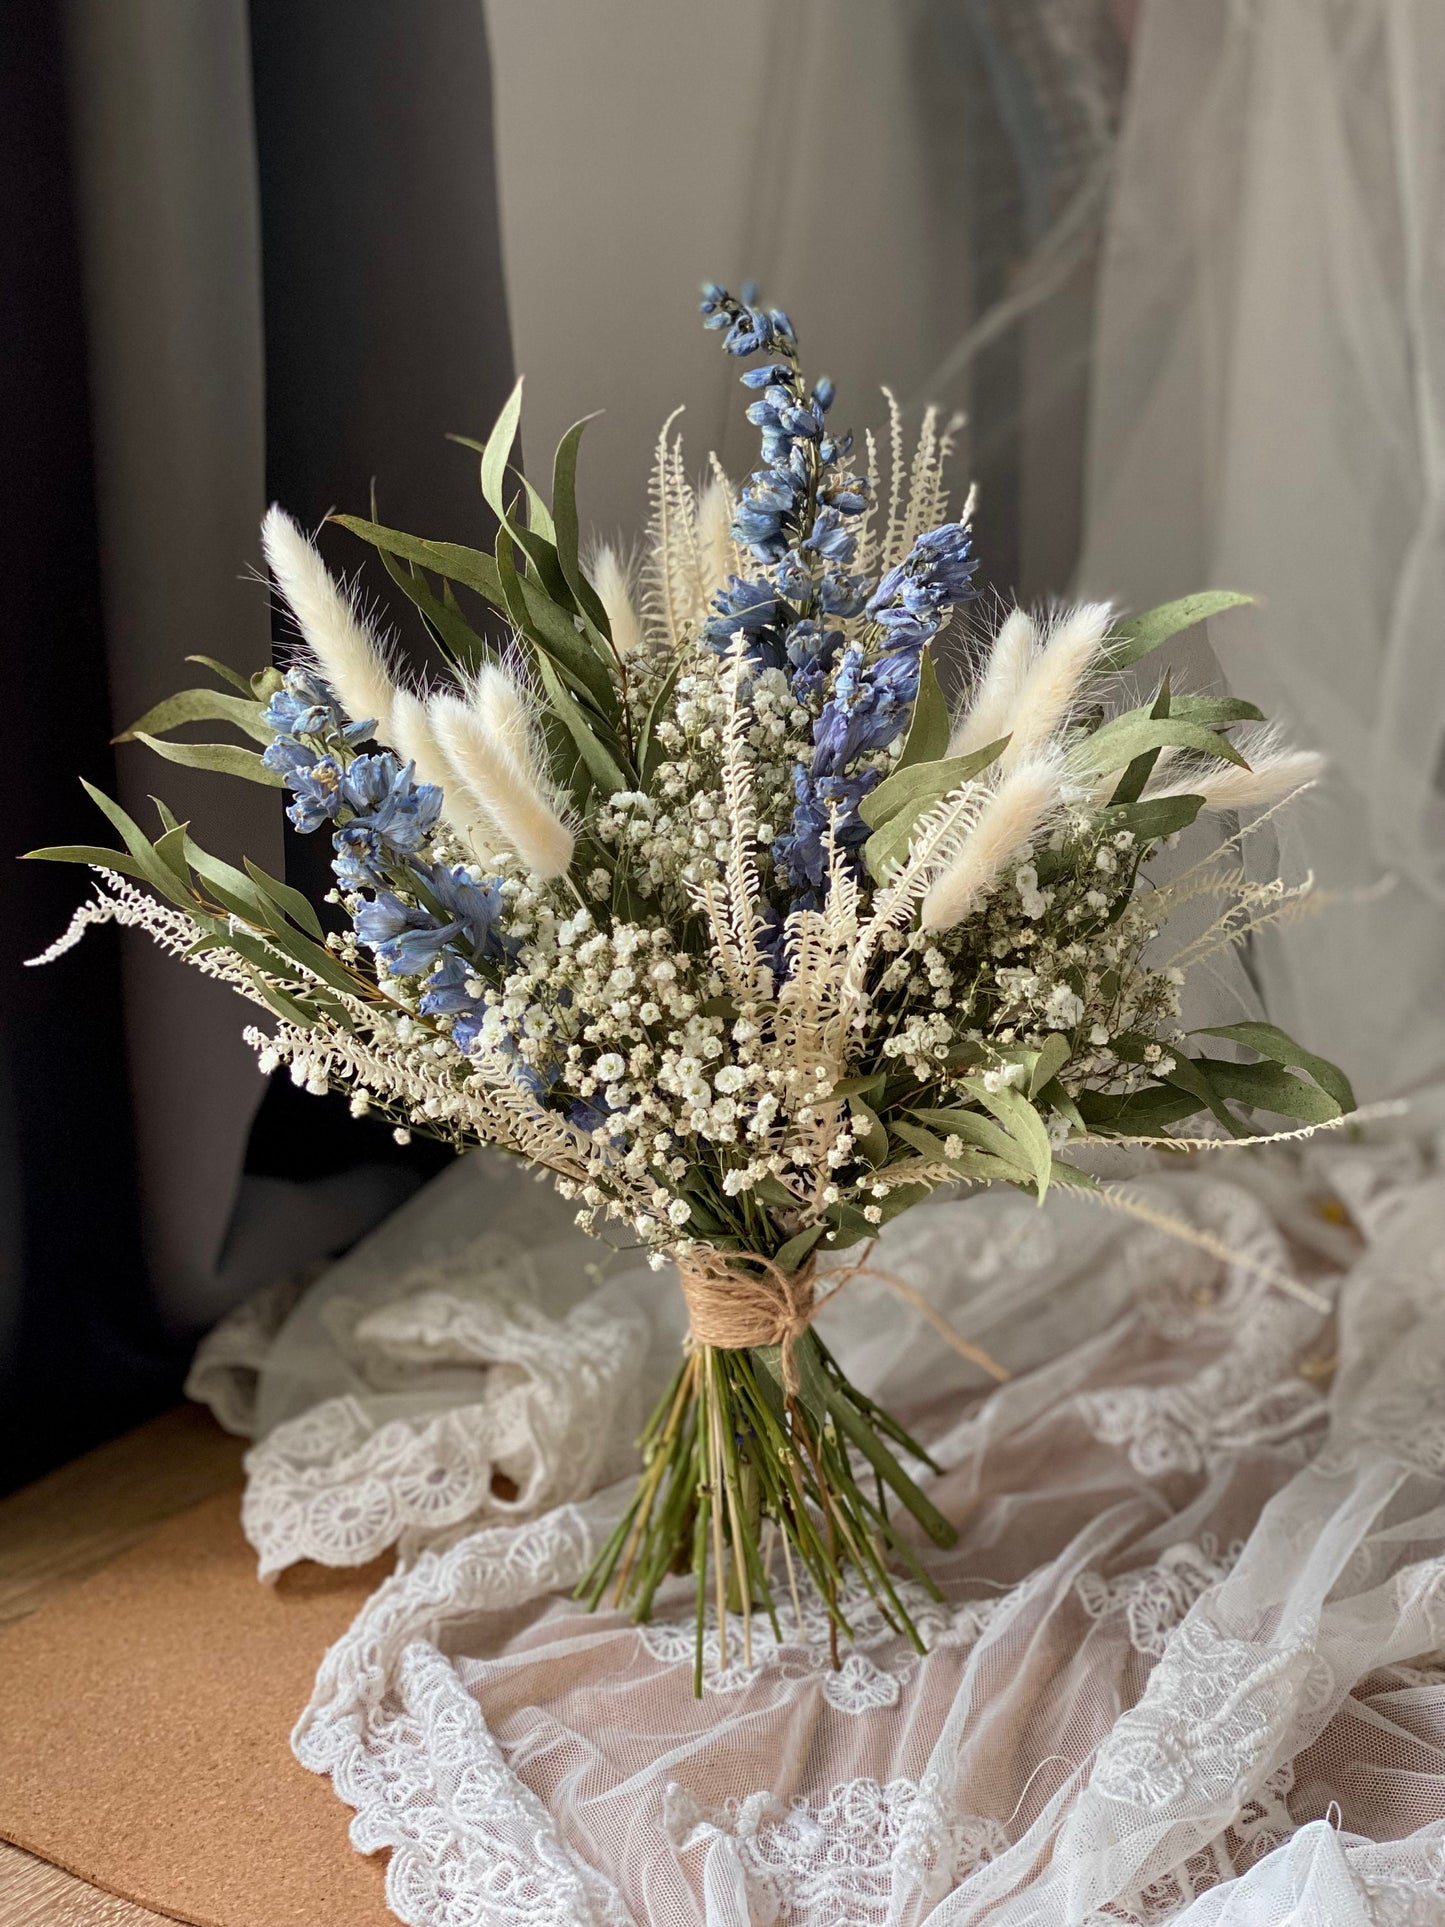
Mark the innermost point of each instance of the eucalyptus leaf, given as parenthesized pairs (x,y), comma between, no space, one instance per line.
(1052,1057)
(983,1133)
(649,750)
(1216,711)
(870,1086)
(1023,1124)
(225,759)
(224,671)
(1145,1113)
(1130,786)
(601,764)
(93,853)
(564,515)
(201,706)
(471,567)
(554,630)
(1136,638)
(1072,1178)
(1193,1075)
(287,899)
(929,729)
(796,1249)
(456,635)
(1268,1040)
(158,874)
(869,1132)
(911,794)
(171,849)
(1118,742)
(498,452)
(283,1005)
(919,785)
(974,1162)
(1269,1087)
(1153,818)
(1054,1098)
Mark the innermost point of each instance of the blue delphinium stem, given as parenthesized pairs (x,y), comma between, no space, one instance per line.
(382,820)
(793,518)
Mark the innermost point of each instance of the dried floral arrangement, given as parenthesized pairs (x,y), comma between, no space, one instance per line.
(701,897)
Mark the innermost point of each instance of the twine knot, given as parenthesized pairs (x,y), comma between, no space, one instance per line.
(737,1301)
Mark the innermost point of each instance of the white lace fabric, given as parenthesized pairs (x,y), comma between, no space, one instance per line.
(1185,1664)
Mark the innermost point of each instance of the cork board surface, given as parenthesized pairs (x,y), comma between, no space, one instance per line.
(144,1734)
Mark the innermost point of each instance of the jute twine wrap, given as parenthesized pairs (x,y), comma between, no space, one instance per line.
(737,1300)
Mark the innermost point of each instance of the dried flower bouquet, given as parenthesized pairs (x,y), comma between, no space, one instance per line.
(700,895)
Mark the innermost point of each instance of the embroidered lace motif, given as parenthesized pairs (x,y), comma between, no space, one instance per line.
(835,1862)
(1155,1599)
(1214,1708)
(877,1661)
(554,1406)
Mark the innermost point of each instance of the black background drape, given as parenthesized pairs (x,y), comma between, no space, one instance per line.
(385,327)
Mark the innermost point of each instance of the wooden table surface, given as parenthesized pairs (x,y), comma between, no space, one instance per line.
(57,1532)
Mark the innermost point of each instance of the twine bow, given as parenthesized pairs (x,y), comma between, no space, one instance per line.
(738,1300)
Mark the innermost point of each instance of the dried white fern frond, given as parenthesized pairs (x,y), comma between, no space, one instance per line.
(671,567)
(1011,816)
(996,694)
(1112,1198)
(927,486)
(1255,907)
(914,497)
(490,741)
(117,900)
(424,1088)
(1068,653)
(331,623)
(1275,772)
(612,576)
(892,538)
(741,871)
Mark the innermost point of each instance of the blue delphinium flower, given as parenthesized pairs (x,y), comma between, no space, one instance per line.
(871,702)
(791,513)
(384,795)
(407,938)
(316,784)
(477,907)
(308,725)
(446,994)
(794,517)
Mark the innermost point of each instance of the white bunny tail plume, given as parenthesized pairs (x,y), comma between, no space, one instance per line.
(1052,680)
(989,713)
(717,552)
(612,579)
(491,745)
(412,737)
(334,629)
(1275,771)
(1011,816)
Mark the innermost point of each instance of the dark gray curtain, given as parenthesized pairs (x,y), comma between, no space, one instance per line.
(251,253)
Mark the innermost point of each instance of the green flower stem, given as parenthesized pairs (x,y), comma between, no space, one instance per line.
(733,1459)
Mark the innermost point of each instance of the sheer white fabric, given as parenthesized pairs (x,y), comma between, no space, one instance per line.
(1268,413)
(1188,1662)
